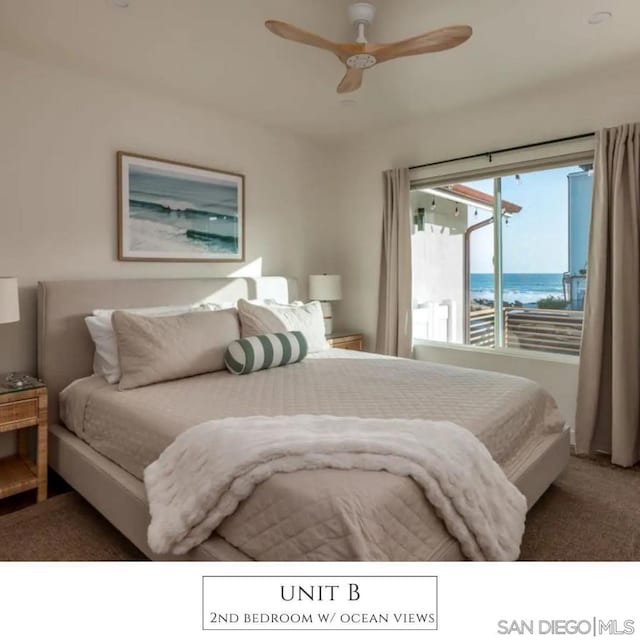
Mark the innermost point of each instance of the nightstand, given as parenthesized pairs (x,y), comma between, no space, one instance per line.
(345,340)
(21,410)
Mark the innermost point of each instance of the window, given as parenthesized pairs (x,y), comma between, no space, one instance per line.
(518,284)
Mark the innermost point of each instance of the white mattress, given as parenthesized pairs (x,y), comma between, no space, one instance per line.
(346,515)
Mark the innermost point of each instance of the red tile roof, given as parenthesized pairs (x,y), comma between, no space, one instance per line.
(481,197)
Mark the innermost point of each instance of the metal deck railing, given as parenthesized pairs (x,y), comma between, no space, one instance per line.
(550,330)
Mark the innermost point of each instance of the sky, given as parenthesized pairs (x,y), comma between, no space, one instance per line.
(536,239)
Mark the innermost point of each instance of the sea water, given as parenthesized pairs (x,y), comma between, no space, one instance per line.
(526,288)
(173,212)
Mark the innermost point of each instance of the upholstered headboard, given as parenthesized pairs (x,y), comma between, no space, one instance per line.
(65,349)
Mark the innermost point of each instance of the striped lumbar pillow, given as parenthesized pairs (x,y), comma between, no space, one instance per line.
(266,351)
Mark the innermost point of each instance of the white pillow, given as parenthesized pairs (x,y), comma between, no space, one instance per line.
(168,310)
(258,319)
(105,359)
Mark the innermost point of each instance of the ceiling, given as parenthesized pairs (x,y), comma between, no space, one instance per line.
(218,53)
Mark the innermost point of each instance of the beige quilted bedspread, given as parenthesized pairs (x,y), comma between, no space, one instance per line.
(322,514)
(204,474)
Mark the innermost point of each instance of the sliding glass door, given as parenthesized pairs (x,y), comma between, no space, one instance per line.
(502,262)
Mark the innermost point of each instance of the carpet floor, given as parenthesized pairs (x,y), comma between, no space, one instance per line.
(592,512)
(65,527)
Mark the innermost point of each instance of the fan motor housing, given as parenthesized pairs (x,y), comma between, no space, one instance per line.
(361,61)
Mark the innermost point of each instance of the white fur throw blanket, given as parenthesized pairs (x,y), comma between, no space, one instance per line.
(201,478)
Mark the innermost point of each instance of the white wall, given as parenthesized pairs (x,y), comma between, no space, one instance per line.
(59,133)
(581,105)
(438,250)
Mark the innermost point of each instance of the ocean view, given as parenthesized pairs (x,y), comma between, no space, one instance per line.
(527,288)
(173,212)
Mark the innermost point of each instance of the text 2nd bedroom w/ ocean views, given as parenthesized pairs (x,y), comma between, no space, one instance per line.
(501,262)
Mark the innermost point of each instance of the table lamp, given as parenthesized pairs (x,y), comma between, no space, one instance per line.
(326,288)
(9,309)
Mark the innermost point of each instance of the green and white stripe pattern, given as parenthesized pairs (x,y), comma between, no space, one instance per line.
(263,352)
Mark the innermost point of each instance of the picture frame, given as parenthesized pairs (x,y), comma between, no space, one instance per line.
(177,212)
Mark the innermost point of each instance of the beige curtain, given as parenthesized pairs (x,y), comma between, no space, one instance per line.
(608,413)
(394,300)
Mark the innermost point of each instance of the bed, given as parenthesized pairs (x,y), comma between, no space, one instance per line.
(106,437)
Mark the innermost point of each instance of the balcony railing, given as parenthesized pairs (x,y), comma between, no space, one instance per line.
(482,328)
(551,330)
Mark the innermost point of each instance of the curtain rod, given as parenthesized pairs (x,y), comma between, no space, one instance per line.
(490,154)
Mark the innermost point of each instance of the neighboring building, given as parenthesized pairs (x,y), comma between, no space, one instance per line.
(580,192)
(440,247)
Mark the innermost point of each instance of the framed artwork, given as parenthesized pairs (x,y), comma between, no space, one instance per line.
(176,212)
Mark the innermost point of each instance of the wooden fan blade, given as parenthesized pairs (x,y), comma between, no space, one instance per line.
(351,81)
(289,32)
(438,40)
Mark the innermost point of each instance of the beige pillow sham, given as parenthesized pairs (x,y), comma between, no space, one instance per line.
(259,319)
(155,349)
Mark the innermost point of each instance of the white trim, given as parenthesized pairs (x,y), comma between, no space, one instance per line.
(454,197)
(507,352)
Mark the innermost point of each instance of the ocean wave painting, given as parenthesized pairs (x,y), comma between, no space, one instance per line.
(171,211)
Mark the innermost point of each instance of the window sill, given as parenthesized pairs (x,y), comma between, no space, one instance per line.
(502,352)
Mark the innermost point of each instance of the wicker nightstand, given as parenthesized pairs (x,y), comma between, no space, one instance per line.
(345,340)
(20,410)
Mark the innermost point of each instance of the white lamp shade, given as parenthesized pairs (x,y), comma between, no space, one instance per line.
(9,307)
(325,287)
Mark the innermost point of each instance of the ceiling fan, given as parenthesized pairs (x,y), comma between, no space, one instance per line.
(361,54)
